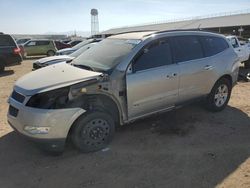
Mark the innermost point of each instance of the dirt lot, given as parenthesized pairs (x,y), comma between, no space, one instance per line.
(186,148)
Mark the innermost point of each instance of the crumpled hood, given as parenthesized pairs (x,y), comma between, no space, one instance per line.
(53,77)
(54,58)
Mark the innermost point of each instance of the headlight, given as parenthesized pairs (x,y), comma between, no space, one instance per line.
(50,100)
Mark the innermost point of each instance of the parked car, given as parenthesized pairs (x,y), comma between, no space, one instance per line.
(124,78)
(66,41)
(22,41)
(68,51)
(9,52)
(242,49)
(61,45)
(22,52)
(74,42)
(40,63)
(40,47)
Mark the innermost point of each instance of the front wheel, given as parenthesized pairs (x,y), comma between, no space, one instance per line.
(93,131)
(218,98)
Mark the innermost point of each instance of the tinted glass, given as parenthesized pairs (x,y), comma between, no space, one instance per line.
(213,45)
(187,48)
(82,49)
(81,44)
(6,40)
(41,43)
(22,41)
(106,54)
(156,55)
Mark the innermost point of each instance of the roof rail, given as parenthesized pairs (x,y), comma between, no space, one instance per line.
(173,30)
(136,31)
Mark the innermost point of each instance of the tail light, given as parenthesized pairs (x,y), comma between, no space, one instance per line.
(17,50)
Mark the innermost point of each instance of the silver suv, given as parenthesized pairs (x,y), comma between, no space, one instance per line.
(123,78)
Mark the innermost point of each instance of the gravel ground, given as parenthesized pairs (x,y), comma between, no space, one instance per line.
(189,147)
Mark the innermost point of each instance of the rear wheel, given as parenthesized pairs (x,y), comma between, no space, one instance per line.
(50,53)
(218,99)
(93,131)
(2,66)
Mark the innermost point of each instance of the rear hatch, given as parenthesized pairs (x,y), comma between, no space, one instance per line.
(9,51)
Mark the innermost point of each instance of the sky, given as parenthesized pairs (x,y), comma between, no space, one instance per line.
(60,16)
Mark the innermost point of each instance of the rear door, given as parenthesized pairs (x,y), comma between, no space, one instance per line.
(43,47)
(195,70)
(152,81)
(196,57)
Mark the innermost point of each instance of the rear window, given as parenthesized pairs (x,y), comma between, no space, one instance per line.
(213,45)
(187,48)
(6,40)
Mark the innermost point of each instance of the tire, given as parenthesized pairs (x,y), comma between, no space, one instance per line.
(51,53)
(93,131)
(247,77)
(219,96)
(2,66)
(247,64)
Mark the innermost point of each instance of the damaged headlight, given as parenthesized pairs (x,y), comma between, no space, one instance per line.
(50,100)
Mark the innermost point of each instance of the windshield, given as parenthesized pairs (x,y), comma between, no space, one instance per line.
(81,50)
(81,44)
(106,54)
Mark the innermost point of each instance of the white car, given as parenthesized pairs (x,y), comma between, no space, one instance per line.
(242,50)
(62,58)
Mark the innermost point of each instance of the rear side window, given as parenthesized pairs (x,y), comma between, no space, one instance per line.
(155,55)
(42,43)
(6,40)
(186,48)
(213,45)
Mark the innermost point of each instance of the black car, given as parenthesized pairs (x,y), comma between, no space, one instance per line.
(10,53)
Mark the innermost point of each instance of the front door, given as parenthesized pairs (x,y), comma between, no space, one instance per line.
(30,48)
(152,84)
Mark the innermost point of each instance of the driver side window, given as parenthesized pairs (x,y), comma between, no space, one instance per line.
(31,43)
(154,55)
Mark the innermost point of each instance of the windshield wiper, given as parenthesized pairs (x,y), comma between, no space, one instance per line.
(82,66)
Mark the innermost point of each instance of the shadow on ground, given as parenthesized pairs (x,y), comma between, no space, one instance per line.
(6,73)
(186,148)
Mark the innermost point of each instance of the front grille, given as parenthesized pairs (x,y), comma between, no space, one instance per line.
(13,111)
(17,96)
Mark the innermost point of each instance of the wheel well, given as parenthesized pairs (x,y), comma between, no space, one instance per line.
(51,51)
(97,103)
(228,77)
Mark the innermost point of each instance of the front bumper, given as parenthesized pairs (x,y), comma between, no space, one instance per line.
(56,122)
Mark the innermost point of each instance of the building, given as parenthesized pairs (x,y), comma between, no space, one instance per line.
(236,23)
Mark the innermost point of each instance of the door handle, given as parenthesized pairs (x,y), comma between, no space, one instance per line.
(208,67)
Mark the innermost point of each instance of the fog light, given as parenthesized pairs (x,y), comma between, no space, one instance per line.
(37,130)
